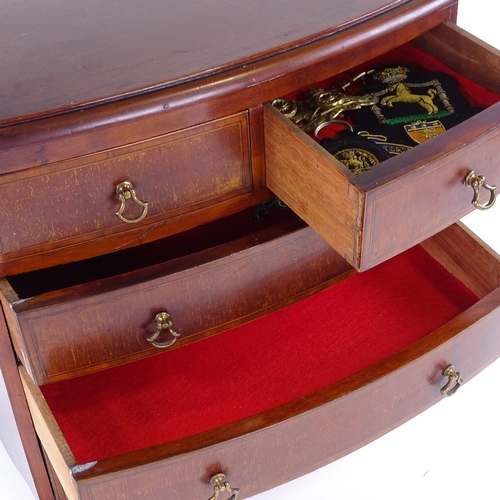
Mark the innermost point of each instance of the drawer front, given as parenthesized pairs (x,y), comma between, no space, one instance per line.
(415,206)
(404,200)
(203,294)
(71,202)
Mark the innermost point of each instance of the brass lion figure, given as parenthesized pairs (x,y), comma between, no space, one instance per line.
(404,94)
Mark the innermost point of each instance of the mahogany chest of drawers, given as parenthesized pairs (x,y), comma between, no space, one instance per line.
(165,332)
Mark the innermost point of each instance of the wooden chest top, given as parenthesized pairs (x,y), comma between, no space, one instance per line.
(57,56)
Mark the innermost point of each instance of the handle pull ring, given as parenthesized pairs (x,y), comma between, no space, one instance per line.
(163,322)
(125,191)
(220,484)
(477,182)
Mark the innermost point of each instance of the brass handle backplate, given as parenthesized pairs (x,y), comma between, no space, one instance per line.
(163,322)
(125,191)
(220,484)
(477,182)
(454,381)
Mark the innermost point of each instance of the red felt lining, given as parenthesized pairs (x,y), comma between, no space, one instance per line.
(255,367)
(476,94)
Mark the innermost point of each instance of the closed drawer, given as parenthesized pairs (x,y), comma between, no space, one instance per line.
(186,178)
(276,398)
(91,315)
(401,201)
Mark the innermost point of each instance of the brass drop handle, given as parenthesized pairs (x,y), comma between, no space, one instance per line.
(454,381)
(476,182)
(163,322)
(125,191)
(220,484)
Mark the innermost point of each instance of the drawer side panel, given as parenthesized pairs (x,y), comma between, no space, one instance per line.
(302,175)
(50,435)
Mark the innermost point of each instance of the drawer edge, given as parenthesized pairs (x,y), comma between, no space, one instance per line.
(54,444)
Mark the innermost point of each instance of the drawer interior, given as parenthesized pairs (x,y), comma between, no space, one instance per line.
(105,267)
(256,367)
(434,65)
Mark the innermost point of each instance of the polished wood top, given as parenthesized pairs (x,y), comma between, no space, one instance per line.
(57,56)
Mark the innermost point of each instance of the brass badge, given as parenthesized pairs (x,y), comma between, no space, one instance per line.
(357,153)
(422,131)
(357,160)
(422,97)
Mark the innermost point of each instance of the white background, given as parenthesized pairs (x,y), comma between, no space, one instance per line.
(448,452)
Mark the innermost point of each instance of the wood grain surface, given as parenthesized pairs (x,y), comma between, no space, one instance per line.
(57,56)
(17,398)
(90,327)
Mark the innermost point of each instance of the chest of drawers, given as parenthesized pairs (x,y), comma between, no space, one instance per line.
(162,339)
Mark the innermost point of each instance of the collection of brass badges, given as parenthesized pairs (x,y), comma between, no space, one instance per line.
(381,113)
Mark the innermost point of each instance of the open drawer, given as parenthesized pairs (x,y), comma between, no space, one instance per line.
(280,396)
(403,200)
(90,315)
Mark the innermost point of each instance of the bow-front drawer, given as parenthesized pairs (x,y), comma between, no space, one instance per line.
(90,315)
(101,202)
(270,400)
(370,214)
